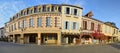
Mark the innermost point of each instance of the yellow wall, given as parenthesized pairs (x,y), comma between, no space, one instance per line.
(71,18)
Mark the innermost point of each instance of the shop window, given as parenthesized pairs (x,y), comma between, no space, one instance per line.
(49,37)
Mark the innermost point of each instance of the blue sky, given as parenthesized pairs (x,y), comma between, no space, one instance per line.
(104,10)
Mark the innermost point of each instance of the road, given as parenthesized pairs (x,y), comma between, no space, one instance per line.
(31,48)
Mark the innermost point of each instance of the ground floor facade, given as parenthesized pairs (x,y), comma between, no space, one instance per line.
(60,38)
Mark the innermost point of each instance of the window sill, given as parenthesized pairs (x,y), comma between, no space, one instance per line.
(75,16)
(48,26)
(39,26)
(68,15)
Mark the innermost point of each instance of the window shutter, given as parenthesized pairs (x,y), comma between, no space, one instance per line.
(49,21)
(68,26)
(78,13)
(64,10)
(39,21)
(72,25)
(72,11)
(64,24)
(77,26)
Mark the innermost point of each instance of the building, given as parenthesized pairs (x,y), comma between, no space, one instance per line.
(2,32)
(91,29)
(94,31)
(111,32)
(119,37)
(46,24)
(57,24)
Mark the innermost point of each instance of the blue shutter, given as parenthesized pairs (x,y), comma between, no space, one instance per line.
(64,10)
(68,26)
(46,21)
(77,26)
(39,21)
(72,25)
(72,11)
(78,13)
(32,22)
(49,22)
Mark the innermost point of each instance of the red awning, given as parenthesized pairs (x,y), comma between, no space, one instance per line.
(96,34)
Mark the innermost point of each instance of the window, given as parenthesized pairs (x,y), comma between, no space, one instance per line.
(15,26)
(48,21)
(66,25)
(85,25)
(67,10)
(39,9)
(9,29)
(31,21)
(48,9)
(56,7)
(12,27)
(99,26)
(44,8)
(27,11)
(21,13)
(74,25)
(75,11)
(52,8)
(24,12)
(56,21)
(39,20)
(31,11)
(92,26)
(35,10)
(24,23)
(19,25)
(59,9)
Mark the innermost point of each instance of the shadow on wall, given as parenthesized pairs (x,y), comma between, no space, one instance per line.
(117,46)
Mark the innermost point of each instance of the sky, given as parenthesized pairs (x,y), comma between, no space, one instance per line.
(104,10)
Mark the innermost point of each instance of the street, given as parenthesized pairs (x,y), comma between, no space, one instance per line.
(32,48)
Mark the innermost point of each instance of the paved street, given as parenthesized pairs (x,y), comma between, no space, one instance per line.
(17,48)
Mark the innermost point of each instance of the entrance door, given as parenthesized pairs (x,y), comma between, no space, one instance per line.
(32,38)
(70,39)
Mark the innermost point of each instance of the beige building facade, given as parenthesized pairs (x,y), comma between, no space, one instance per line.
(45,24)
(57,24)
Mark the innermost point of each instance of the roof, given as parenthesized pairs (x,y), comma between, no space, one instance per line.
(72,5)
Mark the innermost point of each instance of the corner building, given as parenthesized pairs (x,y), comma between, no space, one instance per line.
(46,24)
